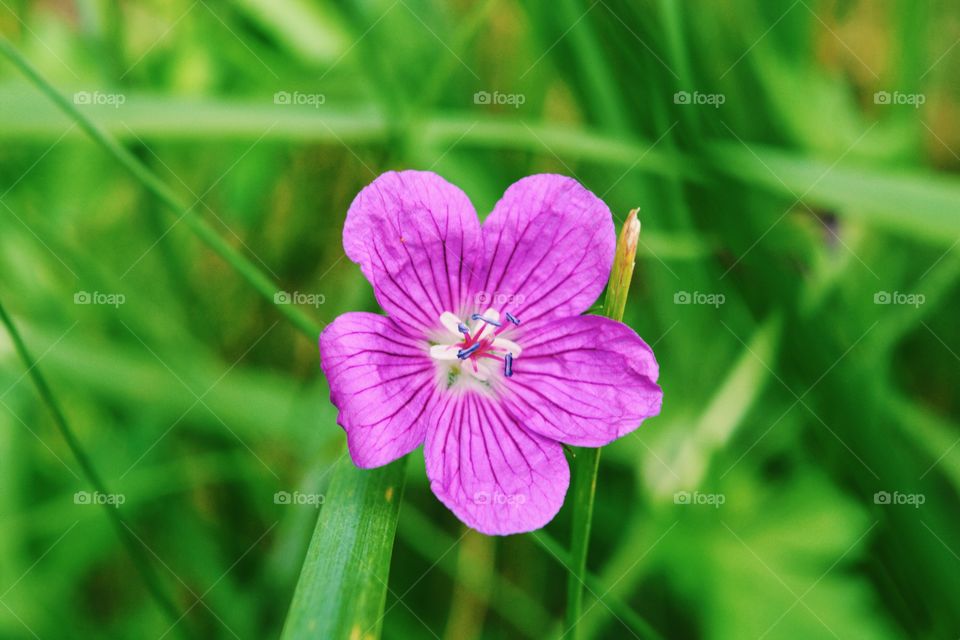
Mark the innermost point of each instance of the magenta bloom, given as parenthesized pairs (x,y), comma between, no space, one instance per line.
(483,357)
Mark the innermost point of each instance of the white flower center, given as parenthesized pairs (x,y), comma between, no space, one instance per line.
(478,350)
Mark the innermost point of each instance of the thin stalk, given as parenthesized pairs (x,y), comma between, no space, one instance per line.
(586,461)
(133,546)
(152,183)
(618,607)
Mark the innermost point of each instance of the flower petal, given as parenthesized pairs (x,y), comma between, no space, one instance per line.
(382,382)
(584,381)
(494,475)
(416,238)
(549,246)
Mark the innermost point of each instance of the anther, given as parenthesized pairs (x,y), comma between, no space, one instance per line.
(464,329)
(463,354)
(477,316)
(512,318)
(508,365)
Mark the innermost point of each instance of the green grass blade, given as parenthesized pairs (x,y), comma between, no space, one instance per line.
(134,548)
(910,202)
(614,605)
(343,582)
(359,515)
(158,188)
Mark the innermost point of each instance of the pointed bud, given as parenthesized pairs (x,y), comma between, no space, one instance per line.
(623,263)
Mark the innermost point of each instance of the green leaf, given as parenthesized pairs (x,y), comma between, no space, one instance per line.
(909,202)
(343,583)
(688,453)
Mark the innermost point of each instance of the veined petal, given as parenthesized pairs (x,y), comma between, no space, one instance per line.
(548,248)
(416,238)
(584,381)
(494,475)
(382,382)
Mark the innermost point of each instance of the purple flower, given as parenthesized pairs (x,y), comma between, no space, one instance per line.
(483,357)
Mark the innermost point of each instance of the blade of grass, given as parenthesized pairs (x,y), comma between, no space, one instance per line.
(512,603)
(616,606)
(587,460)
(878,196)
(137,554)
(152,183)
(356,505)
(350,551)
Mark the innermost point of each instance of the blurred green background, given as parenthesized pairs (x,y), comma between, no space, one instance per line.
(795,163)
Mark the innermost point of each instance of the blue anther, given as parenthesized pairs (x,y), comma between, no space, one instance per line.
(477,316)
(508,365)
(464,329)
(463,354)
(512,318)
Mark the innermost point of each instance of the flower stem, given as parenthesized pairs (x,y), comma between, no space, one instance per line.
(586,461)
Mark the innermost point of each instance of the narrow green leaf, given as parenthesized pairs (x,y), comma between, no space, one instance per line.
(343,582)
(613,604)
(906,201)
(349,558)
(691,452)
(136,550)
(152,183)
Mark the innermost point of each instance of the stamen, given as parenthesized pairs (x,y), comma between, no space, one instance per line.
(477,316)
(508,365)
(464,329)
(512,318)
(463,354)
